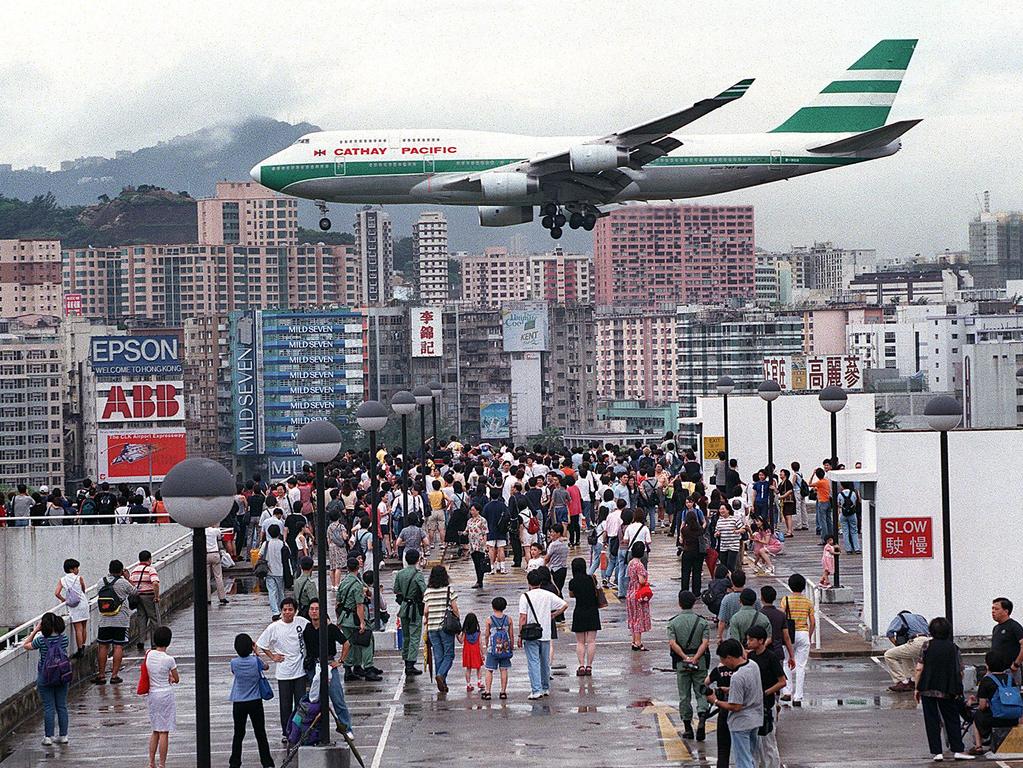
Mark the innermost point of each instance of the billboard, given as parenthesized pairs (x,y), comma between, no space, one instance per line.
(495,417)
(244,388)
(525,330)
(72,305)
(133,456)
(427,332)
(135,355)
(140,401)
(795,373)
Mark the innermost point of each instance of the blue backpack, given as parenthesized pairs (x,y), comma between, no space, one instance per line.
(1007,704)
(57,666)
(500,640)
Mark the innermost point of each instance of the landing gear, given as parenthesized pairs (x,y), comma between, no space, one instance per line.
(556,232)
(589,222)
(325,221)
(548,209)
(575,220)
(576,215)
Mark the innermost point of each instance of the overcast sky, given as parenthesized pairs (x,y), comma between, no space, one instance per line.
(85,79)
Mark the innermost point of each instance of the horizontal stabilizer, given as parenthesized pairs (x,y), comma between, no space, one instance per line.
(875,139)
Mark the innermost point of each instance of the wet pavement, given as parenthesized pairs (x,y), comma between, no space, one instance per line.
(625,714)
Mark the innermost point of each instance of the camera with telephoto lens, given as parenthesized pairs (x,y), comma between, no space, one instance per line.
(703,690)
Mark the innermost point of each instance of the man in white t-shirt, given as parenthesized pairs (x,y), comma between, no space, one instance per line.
(538,606)
(281,642)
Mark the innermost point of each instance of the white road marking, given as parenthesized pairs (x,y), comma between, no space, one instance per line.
(382,743)
(877,660)
(821,613)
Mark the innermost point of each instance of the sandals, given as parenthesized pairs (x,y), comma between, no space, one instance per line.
(589,671)
(485,696)
(502,695)
(640,648)
(581,672)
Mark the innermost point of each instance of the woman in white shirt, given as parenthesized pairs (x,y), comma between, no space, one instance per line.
(163,673)
(634,532)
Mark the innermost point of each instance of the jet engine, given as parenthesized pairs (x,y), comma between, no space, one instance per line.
(508,186)
(593,158)
(505,215)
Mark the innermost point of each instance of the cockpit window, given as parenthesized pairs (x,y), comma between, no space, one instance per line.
(302,141)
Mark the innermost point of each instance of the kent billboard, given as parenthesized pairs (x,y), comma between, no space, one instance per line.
(525,330)
(135,355)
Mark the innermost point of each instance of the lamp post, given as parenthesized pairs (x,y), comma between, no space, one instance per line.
(319,442)
(832,400)
(404,404)
(372,417)
(725,385)
(423,396)
(436,390)
(198,494)
(944,413)
(769,391)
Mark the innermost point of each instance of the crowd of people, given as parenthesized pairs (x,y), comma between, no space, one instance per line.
(577,525)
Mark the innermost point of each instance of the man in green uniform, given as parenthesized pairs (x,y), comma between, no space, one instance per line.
(351,608)
(689,641)
(409,587)
(747,616)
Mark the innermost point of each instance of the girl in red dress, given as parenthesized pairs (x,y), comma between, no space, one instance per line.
(472,657)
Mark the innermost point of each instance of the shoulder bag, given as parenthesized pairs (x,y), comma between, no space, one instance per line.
(790,623)
(262,567)
(450,624)
(266,691)
(601,594)
(143,686)
(532,630)
(676,659)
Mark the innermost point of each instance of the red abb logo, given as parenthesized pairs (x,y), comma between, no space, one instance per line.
(142,401)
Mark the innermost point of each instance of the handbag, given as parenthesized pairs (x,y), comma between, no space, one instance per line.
(226,561)
(362,637)
(532,630)
(266,691)
(143,686)
(262,568)
(450,624)
(601,594)
(790,623)
(644,593)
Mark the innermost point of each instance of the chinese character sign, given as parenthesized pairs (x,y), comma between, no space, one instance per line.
(779,369)
(72,305)
(907,537)
(427,332)
(844,371)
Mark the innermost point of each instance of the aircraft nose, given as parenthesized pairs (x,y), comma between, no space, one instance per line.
(255,173)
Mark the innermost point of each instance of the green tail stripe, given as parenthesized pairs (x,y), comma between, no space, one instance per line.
(863,86)
(887,54)
(834,120)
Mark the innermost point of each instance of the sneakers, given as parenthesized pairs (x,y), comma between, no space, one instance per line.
(62,740)
(47,741)
(937,758)
(535,696)
(902,687)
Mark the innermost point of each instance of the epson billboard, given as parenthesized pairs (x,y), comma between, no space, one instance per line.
(135,355)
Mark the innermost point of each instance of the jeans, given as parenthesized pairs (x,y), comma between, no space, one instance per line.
(538,662)
(336,692)
(251,710)
(275,591)
(443,647)
(623,574)
(850,536)
(743,745)
(651,513)
(729,558)
(54,704)
(937,711)
(561,515)
(595,552)
(612,563)
(824,519)
(20,523)
(692,571)
(588,512)
(290,693)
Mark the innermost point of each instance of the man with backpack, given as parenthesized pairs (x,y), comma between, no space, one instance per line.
(998,703)
(689,641)
(848,506)
(113,598)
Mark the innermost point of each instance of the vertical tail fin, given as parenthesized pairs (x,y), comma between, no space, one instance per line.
(861,98)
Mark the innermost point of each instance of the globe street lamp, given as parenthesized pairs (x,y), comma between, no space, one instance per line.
(199,494)
(436,390)
(769,391)
(423,396)
(832,400)
(404,404)
(944,413)
(372,417)
(725,385)
(319,442)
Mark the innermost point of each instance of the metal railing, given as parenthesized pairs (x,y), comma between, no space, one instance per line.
(8,521)
(11,641)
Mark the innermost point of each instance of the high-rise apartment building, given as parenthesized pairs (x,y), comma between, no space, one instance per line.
(696,254)
(207,378)
(30,278)
(430,257)
(375,249)
(31,414)
(561,278)
(635,354)
(830,270)
(569,374)
(495,277)
(996,248)
(247,213)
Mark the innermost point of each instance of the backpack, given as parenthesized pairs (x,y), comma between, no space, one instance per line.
(591,537)
(57,666)
(334,534)
(108,601)
(358,549)
(1006,704)
(849,500)
(804,489)
(500,639)
(713,594)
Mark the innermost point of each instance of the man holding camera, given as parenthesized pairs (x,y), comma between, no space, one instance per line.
(742,699)
(772,678)
(689,640)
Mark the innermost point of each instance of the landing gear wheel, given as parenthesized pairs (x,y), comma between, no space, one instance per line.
(575,220)
(547,222)
(559,220)
(589,222)
(556,232)
(548,209)
(325,224)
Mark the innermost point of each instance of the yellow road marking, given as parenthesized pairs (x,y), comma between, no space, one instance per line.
(1013,743)
(671,740)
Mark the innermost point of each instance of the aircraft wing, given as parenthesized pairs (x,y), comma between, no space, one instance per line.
(644,142)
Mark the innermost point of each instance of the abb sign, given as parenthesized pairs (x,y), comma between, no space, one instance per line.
(149,401)
(907,537)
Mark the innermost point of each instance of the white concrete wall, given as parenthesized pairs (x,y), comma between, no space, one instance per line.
(32,560)
(802,430)
(526,395)
(987,537)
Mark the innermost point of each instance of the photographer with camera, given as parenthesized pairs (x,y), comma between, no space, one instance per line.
(689,641)
(772,678)
(739,696)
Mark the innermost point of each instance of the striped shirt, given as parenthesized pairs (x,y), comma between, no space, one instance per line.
(435,603)
(799,609)
(144,578)
(729,531)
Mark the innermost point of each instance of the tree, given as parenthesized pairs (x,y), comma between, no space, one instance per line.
(403,256)
(884,419)
(552,437)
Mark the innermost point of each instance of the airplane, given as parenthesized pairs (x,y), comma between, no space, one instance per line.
(576,180)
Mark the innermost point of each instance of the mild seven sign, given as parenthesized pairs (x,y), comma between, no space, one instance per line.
(135,355)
